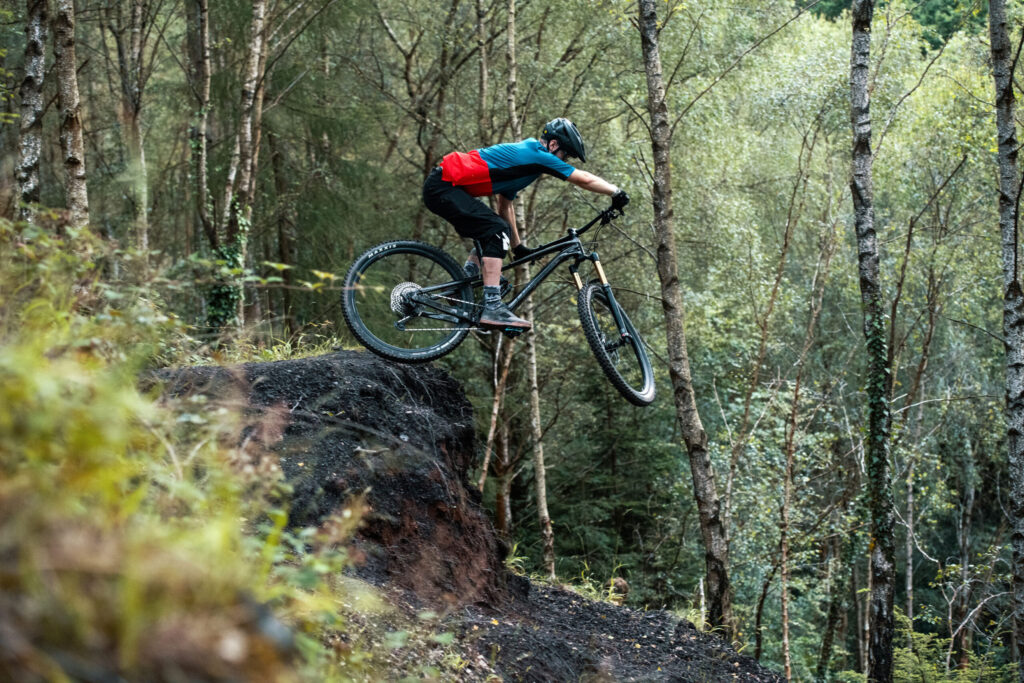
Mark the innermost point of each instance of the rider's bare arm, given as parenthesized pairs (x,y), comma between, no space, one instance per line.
(507,210)
(589,181)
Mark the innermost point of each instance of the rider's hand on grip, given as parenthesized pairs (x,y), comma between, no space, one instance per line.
(620,199)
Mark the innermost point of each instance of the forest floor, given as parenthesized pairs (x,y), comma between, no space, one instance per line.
(349,424)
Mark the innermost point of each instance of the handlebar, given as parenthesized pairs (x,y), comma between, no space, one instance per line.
(605,217)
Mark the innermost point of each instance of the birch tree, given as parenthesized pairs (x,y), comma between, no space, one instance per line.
(879,493)
(31,131)
(1013,299)
(71,140)
(199,76)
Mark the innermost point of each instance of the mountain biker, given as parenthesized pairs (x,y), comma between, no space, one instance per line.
(503,170)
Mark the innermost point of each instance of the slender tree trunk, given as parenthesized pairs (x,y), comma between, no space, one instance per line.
(285,231)
(856,601)
(31,130)
(71,139)
(828,245)
(909,549)
(879,491)
(239,198)
(759,613)
(252,309)
(796,205)
(1013,300)
(719,592)
(130,39)
(537,434)
(963,601)
(835,607)
(199,81)
(225,298)
(503,491)
(865,623)
(502,363)
(787,495)
(483,117)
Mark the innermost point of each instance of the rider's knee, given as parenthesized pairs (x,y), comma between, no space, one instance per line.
(496,245)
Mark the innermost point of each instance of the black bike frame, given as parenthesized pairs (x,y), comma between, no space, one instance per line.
(569,248)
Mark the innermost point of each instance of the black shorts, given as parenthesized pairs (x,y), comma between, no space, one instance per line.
(469,216)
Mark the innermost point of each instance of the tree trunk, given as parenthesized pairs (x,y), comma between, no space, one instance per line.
(225,299)
(502,363)
(1013,301)
(719,593)
(31,130)
(963,602)
(537,435)
(285,232)
(787,495)
(835,607)
(909,574)
(759,613)
(743,433)
(71,139)
(483,117)
(689,419)
(879,493)
(237,192)
(199,73)
(503,491)
(252,309)
(130,40)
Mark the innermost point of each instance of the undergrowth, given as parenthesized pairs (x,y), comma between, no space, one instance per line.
(141,537)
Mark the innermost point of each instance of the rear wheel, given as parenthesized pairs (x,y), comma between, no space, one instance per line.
(400,302)
(623,358)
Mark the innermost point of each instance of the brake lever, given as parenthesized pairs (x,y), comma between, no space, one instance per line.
(608,214)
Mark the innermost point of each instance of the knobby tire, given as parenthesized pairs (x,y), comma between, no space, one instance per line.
(366,301)
(627,367)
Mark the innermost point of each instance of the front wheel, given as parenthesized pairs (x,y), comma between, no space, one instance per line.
(622,357)
(403,301)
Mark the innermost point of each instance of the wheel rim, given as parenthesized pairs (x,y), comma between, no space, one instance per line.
(622,353)
(388,298)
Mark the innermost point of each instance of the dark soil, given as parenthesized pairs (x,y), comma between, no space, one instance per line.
(556,635)
(350,424)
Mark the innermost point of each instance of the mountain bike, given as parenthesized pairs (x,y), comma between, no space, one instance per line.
(411,302)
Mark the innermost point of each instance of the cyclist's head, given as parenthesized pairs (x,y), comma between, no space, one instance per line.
(568,136)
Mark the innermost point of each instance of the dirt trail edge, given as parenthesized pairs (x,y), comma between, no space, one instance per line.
(349,423)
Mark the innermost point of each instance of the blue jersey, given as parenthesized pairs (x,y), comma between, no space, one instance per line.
(503,169)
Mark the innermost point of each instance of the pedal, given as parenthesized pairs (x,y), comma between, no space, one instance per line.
(513,332)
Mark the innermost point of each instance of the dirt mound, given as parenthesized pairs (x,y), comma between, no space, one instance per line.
(350,424)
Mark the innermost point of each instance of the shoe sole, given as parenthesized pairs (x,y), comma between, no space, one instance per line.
(503,326)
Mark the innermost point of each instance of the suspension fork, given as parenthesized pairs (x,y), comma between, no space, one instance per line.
(606,286)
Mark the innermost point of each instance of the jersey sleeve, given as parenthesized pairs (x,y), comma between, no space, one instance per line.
(554,166)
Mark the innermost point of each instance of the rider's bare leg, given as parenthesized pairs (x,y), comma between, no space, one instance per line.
(491,271)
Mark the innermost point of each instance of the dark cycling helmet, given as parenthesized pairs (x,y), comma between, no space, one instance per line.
(568,137)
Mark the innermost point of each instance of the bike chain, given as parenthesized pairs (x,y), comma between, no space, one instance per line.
(450,329)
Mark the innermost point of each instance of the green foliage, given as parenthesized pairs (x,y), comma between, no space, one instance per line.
(140,536)
(941,18)
(930,658)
